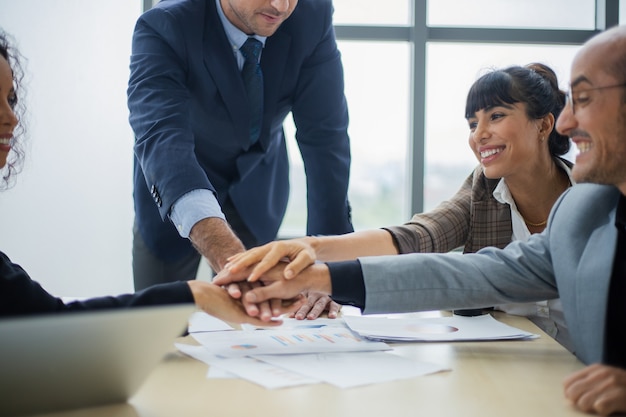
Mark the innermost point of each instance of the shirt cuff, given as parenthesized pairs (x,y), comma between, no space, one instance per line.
(193,207)
(346,278)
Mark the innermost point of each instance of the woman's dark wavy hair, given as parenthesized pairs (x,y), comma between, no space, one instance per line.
(534,85)
(16,156)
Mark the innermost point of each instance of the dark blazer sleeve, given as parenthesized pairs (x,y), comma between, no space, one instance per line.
(320,114)
(160,105)
(20,295)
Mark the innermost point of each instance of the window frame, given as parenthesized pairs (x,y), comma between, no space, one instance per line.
(419,34)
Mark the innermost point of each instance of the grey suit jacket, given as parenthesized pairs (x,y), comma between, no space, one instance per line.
(572,259)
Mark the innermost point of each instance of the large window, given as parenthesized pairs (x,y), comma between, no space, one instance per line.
(423,56)
(372,12)
(378,99)
(552,14)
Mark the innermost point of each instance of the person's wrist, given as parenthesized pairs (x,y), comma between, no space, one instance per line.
(313,242)
(216,241)
(321,278)
(196,291)
(201,290)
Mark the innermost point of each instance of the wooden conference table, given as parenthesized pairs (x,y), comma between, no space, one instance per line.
(512,378)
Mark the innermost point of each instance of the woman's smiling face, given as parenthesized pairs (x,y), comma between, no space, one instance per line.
(504,139)
(8,120)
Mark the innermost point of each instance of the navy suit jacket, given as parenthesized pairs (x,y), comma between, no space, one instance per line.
(189,113)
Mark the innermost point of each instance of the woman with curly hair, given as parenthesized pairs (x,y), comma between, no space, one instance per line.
(12,130)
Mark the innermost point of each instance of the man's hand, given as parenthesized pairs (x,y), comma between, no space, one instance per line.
(262,310)
(315,304)
(298,252)
(598,389)
(314,278)
(217,302)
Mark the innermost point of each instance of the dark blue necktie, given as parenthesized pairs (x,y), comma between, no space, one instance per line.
(253,81)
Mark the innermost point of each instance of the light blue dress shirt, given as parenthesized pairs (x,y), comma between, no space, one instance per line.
(201,204)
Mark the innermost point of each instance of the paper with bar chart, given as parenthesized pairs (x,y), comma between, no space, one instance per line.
(292,341)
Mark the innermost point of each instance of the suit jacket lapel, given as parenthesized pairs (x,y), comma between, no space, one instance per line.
(222,66)
(274,57)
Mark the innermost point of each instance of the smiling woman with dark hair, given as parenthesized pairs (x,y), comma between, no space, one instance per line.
(20,295)
(511,114)
(11,162)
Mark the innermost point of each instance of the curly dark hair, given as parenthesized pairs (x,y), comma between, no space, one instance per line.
(16,156)
(534,85)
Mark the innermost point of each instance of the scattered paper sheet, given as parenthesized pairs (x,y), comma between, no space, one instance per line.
(327,350)
(264,374)
(202,322)
(437,329)
(281,342)
(201,354)
(217,373)
(197,352)
(256,371)
(289,323)
(346,370)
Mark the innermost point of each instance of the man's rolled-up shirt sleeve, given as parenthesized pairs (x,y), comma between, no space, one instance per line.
(192,207)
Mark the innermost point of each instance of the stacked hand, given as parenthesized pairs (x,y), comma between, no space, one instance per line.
(215,301)
(264,296)
(298,254)
(290,257)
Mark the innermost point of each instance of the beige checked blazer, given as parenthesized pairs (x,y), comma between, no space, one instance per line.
(472,219)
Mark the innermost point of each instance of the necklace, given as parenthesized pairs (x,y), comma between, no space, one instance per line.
(540,224)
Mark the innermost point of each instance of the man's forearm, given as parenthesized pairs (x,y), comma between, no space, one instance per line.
(216,241)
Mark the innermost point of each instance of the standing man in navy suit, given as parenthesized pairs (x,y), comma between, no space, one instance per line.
(204,183)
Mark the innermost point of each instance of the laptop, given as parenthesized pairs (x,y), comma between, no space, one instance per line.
(74,360)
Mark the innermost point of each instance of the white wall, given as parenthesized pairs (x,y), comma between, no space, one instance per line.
(68,220)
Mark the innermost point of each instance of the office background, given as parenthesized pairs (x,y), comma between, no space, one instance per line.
(408,65)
